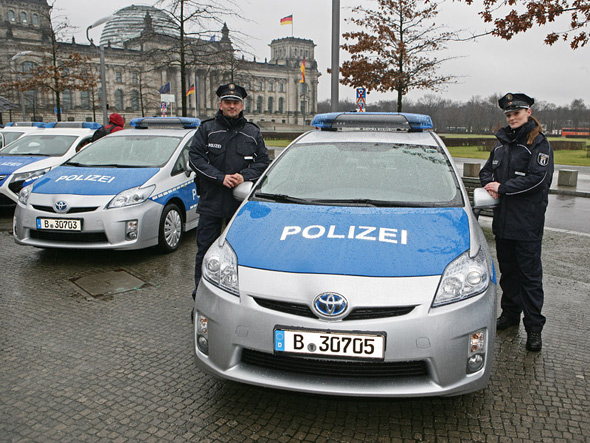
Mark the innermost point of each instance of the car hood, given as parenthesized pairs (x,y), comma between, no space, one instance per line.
(11,163)
(92,181)
(375,242)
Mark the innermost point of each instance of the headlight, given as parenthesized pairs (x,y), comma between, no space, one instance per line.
(464,277)
(25,178)
(220,267)
(24,194)
(131,196)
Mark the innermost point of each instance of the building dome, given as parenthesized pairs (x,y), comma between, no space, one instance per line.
(130,22)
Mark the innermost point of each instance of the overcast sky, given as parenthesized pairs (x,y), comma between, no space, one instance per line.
(554,74)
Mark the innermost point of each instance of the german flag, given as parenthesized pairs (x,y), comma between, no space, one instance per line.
(287,20)
(191,90)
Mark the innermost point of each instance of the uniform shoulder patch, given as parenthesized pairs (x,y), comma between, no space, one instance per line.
(542,159)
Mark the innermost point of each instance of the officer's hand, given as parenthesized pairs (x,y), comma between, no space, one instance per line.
(233,180)
(492,189)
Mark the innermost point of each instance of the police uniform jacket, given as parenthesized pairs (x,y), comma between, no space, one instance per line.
(524,173)
(225,146)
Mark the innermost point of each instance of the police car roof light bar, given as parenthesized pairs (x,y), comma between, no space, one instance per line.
(29,124)
(391,121)
(84,125)
(165,122)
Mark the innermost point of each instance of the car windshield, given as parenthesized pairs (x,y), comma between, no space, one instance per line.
(133,151)
(41,144)
(373,174)
(9,137)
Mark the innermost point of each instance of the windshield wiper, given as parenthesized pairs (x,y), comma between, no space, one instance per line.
(372,202)
(76,164)
(282,198)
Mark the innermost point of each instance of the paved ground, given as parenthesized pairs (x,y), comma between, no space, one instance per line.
(119,368)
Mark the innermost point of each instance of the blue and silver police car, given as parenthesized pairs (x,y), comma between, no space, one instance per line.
(129,190)
(35,152)
(15,130)
(355,266)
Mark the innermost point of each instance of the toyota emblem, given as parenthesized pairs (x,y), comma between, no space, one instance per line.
(61,207)
(330,305)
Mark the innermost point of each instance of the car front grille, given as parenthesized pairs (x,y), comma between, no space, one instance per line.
(70,211)
(302,310)
(334,368)
(70,237)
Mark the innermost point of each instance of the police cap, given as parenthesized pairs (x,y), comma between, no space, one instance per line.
(231,91)
(511,102)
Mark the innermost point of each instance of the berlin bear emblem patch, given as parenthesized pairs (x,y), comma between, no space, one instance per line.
(543,159)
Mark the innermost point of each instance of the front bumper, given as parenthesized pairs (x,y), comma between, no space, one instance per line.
(432,343)
(101,228)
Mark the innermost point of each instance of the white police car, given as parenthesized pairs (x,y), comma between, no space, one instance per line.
(355,266)
(129,190)
(36,152)
(15,130)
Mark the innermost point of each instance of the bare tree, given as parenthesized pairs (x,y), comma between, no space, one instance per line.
(195,21)
(58,71)
(394,51)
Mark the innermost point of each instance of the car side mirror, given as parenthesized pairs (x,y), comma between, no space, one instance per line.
(242,190)
(482,199)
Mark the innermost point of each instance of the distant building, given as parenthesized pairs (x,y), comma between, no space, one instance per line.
(139,53)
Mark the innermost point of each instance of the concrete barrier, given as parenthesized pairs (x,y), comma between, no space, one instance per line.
(471,169)
(567,177)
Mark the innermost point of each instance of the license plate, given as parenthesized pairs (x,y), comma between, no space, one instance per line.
(332,344)
(59,224)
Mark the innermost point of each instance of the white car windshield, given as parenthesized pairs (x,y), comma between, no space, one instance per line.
(133,151)
(9,137)
(41,144)
(380,174)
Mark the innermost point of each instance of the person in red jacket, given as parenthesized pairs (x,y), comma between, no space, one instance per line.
(116,123)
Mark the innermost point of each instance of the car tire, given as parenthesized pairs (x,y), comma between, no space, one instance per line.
(170,231)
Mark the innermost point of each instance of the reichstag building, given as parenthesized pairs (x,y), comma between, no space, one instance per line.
(141,59)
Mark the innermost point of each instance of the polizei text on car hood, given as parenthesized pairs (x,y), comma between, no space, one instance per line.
(364,241)
(92,181)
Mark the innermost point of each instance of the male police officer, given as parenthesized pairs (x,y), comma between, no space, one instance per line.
(519,172)
(226,151)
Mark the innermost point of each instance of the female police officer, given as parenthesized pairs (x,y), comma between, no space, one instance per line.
(519,172)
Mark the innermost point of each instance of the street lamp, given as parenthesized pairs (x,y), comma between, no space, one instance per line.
(22,95)
(334,99)
(103,82)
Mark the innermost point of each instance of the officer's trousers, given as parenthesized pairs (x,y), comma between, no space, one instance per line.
(208,229)
(521,281)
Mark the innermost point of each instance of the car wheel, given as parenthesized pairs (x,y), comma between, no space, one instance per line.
(170,232)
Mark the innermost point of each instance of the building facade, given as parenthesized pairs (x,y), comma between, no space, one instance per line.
(140,46)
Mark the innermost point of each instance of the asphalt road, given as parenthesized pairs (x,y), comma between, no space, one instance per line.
(119,367)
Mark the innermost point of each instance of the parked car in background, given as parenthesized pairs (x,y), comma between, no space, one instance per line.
(14,130)
(35,152)
(131,189)
(355,266)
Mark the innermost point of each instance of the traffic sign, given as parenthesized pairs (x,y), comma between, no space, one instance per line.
(361,94)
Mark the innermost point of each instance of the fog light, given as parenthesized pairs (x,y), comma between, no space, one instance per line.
(475,363)
(202,333)
(476,351)
(131,230)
